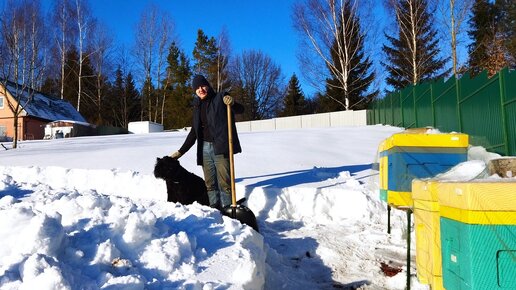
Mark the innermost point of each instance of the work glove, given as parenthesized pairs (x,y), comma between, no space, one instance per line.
(176,155)
(228,100)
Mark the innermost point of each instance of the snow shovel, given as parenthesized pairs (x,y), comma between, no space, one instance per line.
(236,210)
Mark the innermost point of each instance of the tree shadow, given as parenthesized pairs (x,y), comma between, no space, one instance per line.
(273,186)
(299,254)
(15,192)
(293,178)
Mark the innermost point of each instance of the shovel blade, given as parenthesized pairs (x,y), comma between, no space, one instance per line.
(241,213)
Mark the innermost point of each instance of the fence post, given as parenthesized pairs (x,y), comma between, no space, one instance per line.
(414,108)
(457,92)
(432,99)
(400,96)
(501,81)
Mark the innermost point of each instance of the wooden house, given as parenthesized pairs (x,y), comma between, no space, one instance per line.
(38,110)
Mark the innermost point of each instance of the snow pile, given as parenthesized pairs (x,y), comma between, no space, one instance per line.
(87,213)
(54,237)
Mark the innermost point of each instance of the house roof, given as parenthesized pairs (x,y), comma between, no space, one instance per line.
(44,106)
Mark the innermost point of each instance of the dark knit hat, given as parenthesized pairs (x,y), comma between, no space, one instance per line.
(199,80)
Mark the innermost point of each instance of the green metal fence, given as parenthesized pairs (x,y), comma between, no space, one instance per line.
(482,107)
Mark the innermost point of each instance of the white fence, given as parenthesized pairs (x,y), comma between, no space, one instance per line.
(333,119)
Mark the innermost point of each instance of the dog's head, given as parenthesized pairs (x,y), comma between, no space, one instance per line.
(166,168)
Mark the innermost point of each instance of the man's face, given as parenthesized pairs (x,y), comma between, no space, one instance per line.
(202,92)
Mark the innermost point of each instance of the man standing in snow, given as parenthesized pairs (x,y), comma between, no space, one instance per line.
(210,130)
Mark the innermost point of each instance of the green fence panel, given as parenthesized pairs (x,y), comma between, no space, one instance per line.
(511,128)
(388,110)
(397,113)
(509,87)
(374,108)
(423,105)
(484,108)
(370,117)
(381,107)
(445,104)
(407,107)
(378,110)
(481,111)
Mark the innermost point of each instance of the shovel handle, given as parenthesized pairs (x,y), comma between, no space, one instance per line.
(231,159)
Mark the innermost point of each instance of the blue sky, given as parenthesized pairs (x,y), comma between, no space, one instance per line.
(264,25)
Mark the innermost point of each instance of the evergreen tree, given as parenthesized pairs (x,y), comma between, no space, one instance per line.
(148,95)
(507,24)
(413,54)
(178,92)
(349,49)
(71,79)
(205,54)
(123,101)
(114,102)
(88,108)
(132,104)
(50,86)
(294,103)
(482,32)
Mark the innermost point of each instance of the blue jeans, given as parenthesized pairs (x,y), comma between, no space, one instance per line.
(216,176)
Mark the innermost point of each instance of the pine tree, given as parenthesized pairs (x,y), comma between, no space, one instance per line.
(507,24)
(132,107)
(148,94)
(50,86)
(348,49)
(71,79)
(413,54)
(294,103)
(178,93)
(114,101)
(482,32)
(205,54)
(88,108)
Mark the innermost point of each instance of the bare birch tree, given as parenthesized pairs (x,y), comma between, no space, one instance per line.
(21,60)
(223,53)
(153,36)
(63,35)
(332,30)
(102,45)
(85,26)
(454,13)
(260,84)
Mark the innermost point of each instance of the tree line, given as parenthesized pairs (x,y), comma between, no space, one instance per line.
(68,53)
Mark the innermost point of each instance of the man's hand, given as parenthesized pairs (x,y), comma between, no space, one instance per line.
(176,155)
(228,100)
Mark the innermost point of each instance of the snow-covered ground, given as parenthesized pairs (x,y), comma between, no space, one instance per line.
(87,213)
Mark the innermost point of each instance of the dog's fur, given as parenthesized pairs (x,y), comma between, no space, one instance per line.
(182,186)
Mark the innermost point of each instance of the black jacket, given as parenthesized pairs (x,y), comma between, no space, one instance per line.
(216,114)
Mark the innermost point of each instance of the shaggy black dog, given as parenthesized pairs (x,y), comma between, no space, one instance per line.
(182,186)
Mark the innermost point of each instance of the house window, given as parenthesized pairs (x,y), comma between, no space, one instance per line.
(1,102)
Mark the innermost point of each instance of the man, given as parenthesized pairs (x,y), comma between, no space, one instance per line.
(210,130)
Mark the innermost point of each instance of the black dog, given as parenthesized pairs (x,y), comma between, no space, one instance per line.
(182,186)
